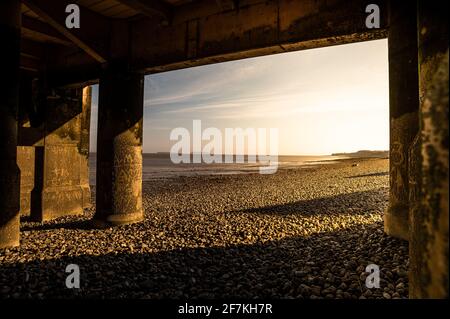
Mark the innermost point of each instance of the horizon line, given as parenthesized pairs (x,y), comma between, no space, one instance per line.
(332,154)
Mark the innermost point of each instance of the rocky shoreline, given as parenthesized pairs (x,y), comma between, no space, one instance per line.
(301,233)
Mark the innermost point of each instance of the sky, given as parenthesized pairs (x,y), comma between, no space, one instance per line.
(323,101)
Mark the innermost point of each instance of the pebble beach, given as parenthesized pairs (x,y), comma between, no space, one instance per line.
(303,233)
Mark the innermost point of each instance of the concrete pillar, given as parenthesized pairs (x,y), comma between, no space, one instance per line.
(25,154)
(58,188)
(403,109)
(29,133)
(119,149)
(428,249)
(84,145)
(10,21)
(25,162)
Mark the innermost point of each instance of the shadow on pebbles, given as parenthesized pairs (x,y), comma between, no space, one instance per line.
(299,233)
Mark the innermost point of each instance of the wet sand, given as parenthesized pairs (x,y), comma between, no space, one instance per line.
(304,232)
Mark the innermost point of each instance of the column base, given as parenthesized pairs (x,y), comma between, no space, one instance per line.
(9,233)
(9,204)
(58,202)
(396,222)
(118,219)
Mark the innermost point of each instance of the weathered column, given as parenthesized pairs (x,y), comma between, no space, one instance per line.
(10,21)
(403,109)
(428,249)
(84,145)
(119,148)
(58,191)
(25,162)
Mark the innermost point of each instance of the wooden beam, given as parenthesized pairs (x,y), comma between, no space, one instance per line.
(54,14)
(36,30)
(150,8)
(32,48)
(42,37)
(29,62)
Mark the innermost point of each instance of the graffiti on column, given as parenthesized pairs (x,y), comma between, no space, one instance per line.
(397,181)
(414,170)
(403,132)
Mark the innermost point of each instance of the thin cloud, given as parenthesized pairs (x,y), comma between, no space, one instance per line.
(343,86)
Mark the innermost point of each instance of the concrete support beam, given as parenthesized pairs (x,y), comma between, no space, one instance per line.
(150,8)
(228,4)
(429,222)
(119,148)
(10,21)
(202,33)
(403,109)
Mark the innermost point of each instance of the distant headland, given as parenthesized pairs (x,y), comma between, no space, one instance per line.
(364,153)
